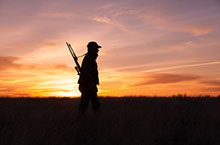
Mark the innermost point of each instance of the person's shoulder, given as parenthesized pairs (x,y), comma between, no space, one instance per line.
(86,60)
(85,57)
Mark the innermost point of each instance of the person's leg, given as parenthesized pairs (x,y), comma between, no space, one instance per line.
(95,101)
(84,102)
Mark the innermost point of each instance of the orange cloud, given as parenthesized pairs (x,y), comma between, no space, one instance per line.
(212,82)
(8,62)
(49,43)
(161,78)
(63,67)
(215,89)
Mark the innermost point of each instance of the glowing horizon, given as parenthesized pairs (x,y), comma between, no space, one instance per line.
(149,48)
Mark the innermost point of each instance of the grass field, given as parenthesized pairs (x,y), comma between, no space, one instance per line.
(121,121)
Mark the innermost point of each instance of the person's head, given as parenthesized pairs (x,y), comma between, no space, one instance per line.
(93,47)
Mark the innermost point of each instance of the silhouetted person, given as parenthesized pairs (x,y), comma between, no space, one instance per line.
(89,79)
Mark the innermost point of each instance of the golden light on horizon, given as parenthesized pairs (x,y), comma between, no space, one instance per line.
(66,94)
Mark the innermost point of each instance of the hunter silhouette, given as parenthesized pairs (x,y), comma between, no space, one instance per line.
(89,78)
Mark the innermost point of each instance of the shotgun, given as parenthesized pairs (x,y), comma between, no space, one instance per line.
(77,67)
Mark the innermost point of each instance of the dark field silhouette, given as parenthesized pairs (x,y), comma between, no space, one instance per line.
(121,121)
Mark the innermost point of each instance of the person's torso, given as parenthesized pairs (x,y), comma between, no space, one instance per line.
(89,71)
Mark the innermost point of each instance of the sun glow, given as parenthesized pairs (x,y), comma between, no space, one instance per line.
(66,94)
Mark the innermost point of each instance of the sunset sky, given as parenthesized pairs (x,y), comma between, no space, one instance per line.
(149,47)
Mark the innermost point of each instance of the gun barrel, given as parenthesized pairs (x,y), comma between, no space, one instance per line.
(78,68)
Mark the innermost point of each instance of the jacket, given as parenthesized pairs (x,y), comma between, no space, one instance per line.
(89,74)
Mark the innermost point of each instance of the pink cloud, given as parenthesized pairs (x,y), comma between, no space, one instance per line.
(55,15)
(198,30)
(167,21)
(111,22)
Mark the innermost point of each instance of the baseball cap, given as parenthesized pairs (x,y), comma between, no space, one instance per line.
(93,44)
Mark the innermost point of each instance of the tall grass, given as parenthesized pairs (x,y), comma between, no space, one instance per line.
(121,121)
